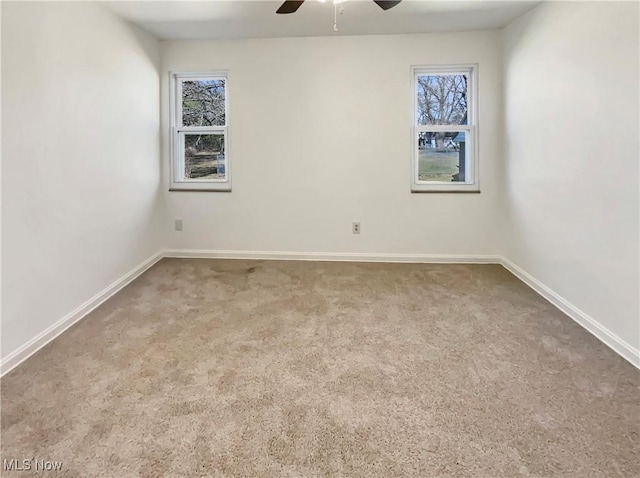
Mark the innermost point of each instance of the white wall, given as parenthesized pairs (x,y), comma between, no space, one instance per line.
(571,199)
(320,137)
(80,159)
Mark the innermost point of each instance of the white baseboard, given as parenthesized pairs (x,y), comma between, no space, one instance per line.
(602,333)
(610,339)
(334,256)
(32,346)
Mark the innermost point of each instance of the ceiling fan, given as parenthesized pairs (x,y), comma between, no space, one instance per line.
(291,6)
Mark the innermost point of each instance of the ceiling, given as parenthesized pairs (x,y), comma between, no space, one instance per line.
(223,19)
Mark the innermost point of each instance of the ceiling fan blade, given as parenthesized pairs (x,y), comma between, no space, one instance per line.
(386,5)
(290,6)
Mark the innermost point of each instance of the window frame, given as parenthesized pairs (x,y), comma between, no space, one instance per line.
(472,184)
(178,131)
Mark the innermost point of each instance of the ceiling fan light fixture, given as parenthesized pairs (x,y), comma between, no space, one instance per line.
(291,6)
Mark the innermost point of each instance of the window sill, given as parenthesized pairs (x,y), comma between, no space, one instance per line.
(199,190)
(448,188)
(452,191)
(197,186)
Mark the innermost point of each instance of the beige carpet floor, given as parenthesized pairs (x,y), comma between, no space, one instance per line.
(301,369)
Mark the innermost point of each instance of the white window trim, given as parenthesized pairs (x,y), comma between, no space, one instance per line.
(176,146)
(471,129)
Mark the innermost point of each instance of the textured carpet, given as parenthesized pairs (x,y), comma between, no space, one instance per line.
(302,369)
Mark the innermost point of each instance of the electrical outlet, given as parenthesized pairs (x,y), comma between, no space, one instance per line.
(178,224)
(355,228)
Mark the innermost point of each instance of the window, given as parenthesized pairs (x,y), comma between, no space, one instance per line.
(445,157)
(200,132)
